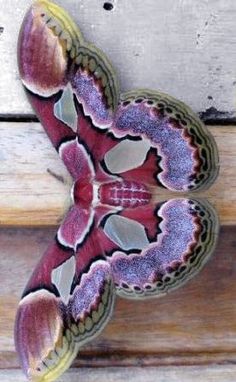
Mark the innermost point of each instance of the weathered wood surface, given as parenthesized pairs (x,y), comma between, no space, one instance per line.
(137,374)
(186,48)
(191,326)
(35,186)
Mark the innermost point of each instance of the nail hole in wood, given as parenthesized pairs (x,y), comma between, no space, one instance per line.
(108,6)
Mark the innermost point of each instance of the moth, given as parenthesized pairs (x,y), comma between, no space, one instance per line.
(120,149)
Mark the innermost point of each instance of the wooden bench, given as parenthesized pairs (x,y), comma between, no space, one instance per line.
(187,49)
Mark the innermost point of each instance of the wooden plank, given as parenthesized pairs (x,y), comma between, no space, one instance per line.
(189,48)
(191,326)
(224,373)
(35,186)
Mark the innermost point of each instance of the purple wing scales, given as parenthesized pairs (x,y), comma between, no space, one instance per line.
(187,153)
(93,297)
(95,85)
(148,259)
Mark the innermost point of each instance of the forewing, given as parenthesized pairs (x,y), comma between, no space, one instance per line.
(70,83)
(48,42)
(66,303)
(42,336)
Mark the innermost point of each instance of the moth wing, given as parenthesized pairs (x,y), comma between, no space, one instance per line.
(154,249)
(67,302)
(155,138)
(181,155)
(42,338)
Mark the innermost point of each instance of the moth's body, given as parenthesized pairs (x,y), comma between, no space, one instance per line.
(120,194)
(119,150)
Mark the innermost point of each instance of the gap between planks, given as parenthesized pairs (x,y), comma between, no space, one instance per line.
(35,186)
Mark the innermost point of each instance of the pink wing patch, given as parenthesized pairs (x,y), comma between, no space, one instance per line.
(75,227)
(77,160)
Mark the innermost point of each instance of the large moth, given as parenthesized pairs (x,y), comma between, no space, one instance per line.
(120,149)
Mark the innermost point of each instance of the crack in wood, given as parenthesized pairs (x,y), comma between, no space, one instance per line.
(18,118)
(210,116)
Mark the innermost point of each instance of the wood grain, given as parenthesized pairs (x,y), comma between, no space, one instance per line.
(185,48)
(191,326)
(137,374)
(35,186)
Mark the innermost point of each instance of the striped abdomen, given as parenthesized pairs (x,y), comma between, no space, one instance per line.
(124,194)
